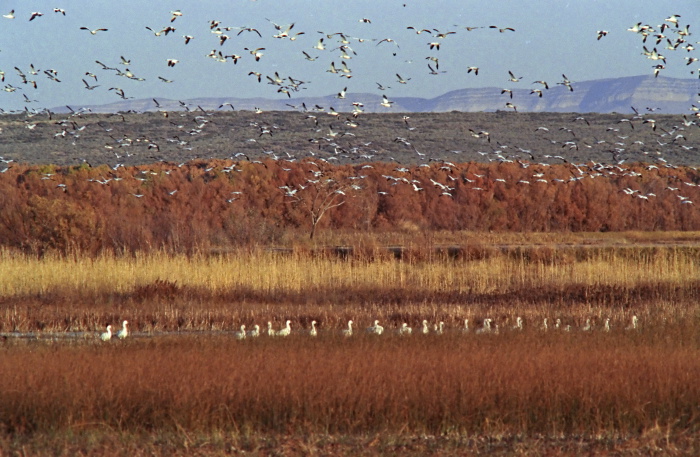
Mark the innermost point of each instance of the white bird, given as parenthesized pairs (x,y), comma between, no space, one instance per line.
(270,330)
(255,332)
(348,331)
(606,328)
(588,326)
(518,323)
(424,329)
(633,325)
(106,336)
(440,328)
(313,331)
(240,335)
(10,15)
(286,330)
(123,333)
(386,102)
(376,328)
(544,325)
(93,32)
(486,328)
(466,326)
(405,329)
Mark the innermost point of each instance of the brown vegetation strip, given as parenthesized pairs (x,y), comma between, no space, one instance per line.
(529,383)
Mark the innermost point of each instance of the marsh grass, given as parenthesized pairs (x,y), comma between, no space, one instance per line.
(219,292)
(513,383)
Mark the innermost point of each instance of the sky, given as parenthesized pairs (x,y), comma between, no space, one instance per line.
(550,38)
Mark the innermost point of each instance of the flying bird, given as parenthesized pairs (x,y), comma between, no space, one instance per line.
(93,32)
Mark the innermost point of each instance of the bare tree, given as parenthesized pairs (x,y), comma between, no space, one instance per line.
(317,197)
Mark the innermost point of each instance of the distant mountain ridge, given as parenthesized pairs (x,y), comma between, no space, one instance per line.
(668,95)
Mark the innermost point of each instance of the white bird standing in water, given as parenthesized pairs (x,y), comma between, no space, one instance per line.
(518,323)
(633,325)
(348,331)
(123,333)
(588,326)
(286,330)
(405,329)
(606,328)
(376,328)
(106,336)
(255,332)
(440,328)
(240,335)
(270,330)
(313,331)
(424,329)
(466,326)
(486,328)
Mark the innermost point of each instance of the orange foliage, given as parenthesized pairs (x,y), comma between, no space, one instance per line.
(205,204)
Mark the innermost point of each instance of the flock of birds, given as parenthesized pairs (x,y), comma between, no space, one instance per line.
(488,327)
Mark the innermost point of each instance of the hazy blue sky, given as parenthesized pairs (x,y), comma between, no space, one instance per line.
(551,37)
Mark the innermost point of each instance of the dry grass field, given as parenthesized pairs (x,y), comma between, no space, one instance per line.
(181,384)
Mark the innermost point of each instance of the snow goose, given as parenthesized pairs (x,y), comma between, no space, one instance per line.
(348,331)
(286,330)
(106,336)
(405,329)
(376,329)
(240,335)
(313,331)
(255,332)
(123,333)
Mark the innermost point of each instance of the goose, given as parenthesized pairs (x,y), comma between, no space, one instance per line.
(89,87)
(176,14)
(270,330)
(440,328)
(123,333)
(313,331)
(348,331)
(376,329)
(544,325)
(486,328)
(606,328)
(466,326)
(513,78)
(240,335)
(385,102)
(633,325)
(566,83)
(587,327)
(10,15)
(601,33)
(474,69)
(401,80)
(256,53)
(518,323)
(405,329)
(286,330)
(106,336)
(255,332)
(35,15)
(424,328)
(94,31)
(172,62)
